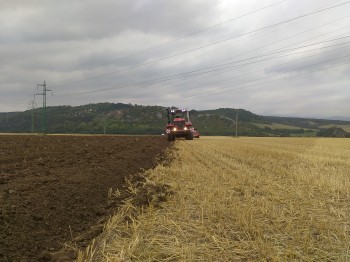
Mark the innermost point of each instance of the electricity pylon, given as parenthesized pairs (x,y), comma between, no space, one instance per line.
(43,116)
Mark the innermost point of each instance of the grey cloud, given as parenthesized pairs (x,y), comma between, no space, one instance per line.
(91,19)
(68,41)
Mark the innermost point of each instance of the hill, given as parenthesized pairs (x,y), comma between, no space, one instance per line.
(333,132)
(121,118)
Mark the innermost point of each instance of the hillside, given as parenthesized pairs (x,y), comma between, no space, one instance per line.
(311,126)
(121,118)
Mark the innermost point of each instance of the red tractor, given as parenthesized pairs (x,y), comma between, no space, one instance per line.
(177,125)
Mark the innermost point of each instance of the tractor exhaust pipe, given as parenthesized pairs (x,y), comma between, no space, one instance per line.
(168,115)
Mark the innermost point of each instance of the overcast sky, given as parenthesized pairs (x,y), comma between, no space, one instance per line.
(271,57)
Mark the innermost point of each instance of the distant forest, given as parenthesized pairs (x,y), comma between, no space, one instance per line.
(109,118)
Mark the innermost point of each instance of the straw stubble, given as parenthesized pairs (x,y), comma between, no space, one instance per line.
(246,199)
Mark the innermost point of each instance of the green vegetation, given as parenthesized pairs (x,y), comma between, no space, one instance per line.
(121,118)
(344,127)
(276,126)
(333,132)
(307,123)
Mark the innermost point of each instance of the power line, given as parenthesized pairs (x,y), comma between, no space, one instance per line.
(267,82)
(263,69)
(197,32)
(222,70)
(228,65)
(254,62)
(275,42)
(246,82)
(214,68)
(279,52)
(166,78)
(204,46)
(157,81)
(289,37)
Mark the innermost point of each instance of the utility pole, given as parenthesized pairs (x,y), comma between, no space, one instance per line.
(43,117)
(32,105)
(237,111)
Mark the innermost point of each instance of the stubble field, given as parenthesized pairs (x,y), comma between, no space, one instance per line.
(245,199)
(55,190)
(226,199)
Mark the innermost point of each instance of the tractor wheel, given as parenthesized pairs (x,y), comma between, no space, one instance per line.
(189,136)
(171,137)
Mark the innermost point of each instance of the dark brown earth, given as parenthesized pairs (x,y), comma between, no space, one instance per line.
(54,189)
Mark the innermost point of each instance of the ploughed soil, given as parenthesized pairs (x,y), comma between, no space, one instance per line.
(54,189)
